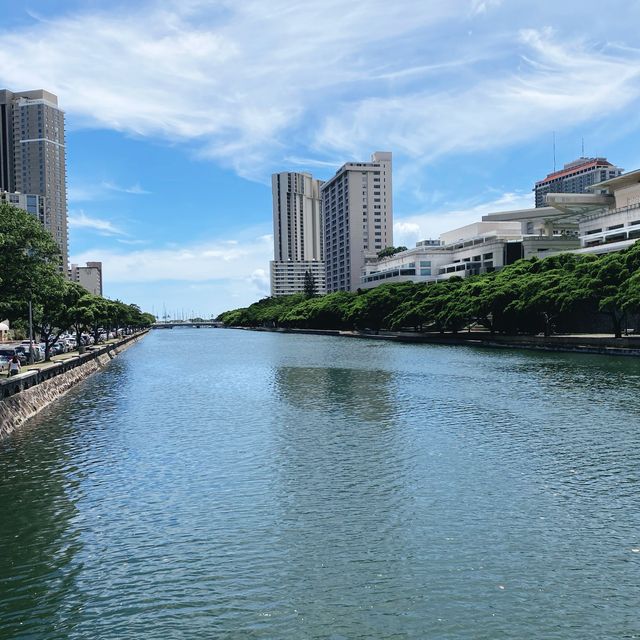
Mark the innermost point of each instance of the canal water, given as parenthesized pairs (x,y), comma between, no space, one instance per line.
(227,484)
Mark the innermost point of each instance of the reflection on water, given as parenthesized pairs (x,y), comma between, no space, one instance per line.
(364,394)
(311,487)
(38,539)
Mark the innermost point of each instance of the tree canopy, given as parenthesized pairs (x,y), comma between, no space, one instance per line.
(29,273)
(562,293)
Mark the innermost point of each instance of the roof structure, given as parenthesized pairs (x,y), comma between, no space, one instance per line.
(625,180)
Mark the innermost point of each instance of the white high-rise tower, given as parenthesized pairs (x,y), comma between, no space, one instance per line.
(298,234)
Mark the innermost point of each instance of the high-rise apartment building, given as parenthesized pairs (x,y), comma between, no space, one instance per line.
(32,156)
(298,234)
(575,177)
(358,219)
(89,276)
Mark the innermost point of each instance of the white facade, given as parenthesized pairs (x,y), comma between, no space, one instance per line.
(541,221)
(30,202)
(89,276)
(288,277)
(616,226)
(298,233)
(477,248)
(358,218)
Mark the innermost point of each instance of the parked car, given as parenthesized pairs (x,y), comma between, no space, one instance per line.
(58,348)
(10,351)
(37,353)
(4,363)
(24,350)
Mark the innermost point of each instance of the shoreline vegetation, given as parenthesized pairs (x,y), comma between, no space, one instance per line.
(30,276)
(559,295)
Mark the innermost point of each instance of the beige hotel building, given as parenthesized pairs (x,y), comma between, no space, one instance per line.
(358,219)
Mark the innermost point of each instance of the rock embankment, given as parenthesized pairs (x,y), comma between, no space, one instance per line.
(24,395)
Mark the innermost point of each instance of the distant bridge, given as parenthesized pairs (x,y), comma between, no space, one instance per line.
(191,325)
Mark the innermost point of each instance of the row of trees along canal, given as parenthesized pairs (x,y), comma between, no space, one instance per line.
(563,293)
(29,274)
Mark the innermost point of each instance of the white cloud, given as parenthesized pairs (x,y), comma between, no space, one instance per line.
(260,280)
(132,242)
(100,191)
(80,220)
(218,259)
(83,193)
(421,226)
(239,78)
(135,189)
(250,83)
(558,85)
(482,6)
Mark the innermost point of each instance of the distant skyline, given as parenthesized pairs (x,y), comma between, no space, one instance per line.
(178,112)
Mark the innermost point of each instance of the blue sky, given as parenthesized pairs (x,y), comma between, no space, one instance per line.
(178,111)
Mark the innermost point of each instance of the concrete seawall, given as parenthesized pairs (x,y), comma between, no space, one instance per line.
(24,395)
(591,344)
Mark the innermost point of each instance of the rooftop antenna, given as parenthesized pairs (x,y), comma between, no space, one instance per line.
(554,151)
(583,146)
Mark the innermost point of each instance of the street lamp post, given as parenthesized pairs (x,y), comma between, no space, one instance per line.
(30,333)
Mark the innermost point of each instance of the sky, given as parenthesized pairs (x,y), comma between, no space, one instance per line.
(178,112)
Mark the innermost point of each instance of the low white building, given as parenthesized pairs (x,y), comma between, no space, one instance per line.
(541,221)
(288,276)
(608,217)
(477,248)
(32,203)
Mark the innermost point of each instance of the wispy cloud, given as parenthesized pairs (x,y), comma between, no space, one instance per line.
(482,6)
(101,190)
(312,86)
(84,193)
(80,220)
(132,242)
(135,189)
(421,226)
(557,85)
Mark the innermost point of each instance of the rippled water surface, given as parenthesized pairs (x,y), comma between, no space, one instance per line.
(227,484)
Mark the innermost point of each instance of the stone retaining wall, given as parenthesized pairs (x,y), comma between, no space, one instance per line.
(600,345)
(24,395)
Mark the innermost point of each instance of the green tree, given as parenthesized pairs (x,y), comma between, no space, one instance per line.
(372,308)
(309,285)
(323,312)
(84,313)
(28,260)
(390,251)
(51,315)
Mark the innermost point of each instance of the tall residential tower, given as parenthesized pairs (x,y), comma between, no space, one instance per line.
(33,158)
(358,218)
(297,233)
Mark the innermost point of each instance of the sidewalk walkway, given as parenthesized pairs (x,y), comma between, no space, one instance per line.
(59,358)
